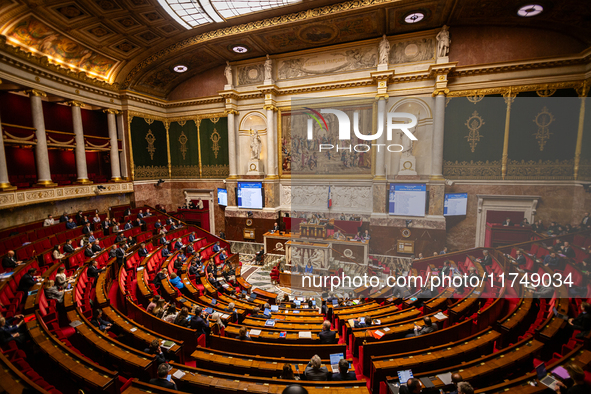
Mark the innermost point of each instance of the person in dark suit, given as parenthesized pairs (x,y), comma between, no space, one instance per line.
(86,229)
(256,312)
(156,350)
(429,327)
(326,335)
(143,252)
(68,248)
(192,237)
(568,251)
(106,224)
(199,322)
(27,281)
(315,370)
(140,214)
(190,249)
(275,227)
(70,224)
(485,260)
(178,245)
(158,224)
(344,373)
(507,222)
(538,227)
(365,324)
(64,218)
(79,218)
(216,247)
(524,222)
(401,291)
(161,378)
(544,292)
(120,255)
(444,251)
(159,277)
(128,225)
(194,269)
(583,321)
(260,256)
(163,241)
(520,258)
(165,252)
(444,270)
(243,334)
(9,261)
(586,221)
(88,251)
(93,270)
(551,260)
(127,212)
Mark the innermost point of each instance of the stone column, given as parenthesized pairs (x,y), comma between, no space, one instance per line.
(112,125)
(232,144)
(380,171)
(271,142)
(81,169)
(41,156)
(123,154)
(4,182)
(438,126)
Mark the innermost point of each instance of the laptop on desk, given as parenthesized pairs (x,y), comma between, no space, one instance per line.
(545,378)
(559,315)
(334,361)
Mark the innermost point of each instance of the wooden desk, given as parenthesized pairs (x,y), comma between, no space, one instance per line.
(88,375)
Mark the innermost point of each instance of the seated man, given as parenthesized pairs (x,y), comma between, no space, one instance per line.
(551,260)
(158,224)
(567,250)
(367,322)
(544,292)
(165,252)
(344,373)
(9,261)
(429,327)
(327,336)
(142,251)
(583,321)
(70,224)
(93,270)
(260,255)
(27,281)
(507,222)
(49,221)
(178,245)
(485,260)
(88,252)
(216,247)
(315,370)
(161,379)
(192,237)
(86,230)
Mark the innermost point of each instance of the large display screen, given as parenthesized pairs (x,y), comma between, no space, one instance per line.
(407,199)
(250,195)
(222,197)
(455,204)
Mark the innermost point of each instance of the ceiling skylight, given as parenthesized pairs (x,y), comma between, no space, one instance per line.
(193,13)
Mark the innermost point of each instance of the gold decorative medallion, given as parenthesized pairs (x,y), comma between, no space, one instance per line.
(543,121)
(249,222)
(183,141)
(149,121)
(151,139)
(475,99)
(406,232)
(214,120)
(474,123)
(215,138)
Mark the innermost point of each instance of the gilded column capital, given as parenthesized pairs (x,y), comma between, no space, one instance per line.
(270,107)
(383,96)
(231,112)
(111,111)
(583,89)
(440,91)
(75,103)
(36,93)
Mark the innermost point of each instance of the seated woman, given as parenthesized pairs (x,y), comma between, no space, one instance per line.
(60,278)
(56,253)
(287,373)
(309,269)
(160,308)
(52,292)
(98,321)
(170,314)
(181,318)
(218,327)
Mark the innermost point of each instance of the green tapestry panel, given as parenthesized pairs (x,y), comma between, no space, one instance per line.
(150,155)
(474,133)
(213,134)
(184,149)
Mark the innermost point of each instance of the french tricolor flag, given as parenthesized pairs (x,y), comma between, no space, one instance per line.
(329,198)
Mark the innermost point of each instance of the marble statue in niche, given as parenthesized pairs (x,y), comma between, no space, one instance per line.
(384,50)
(228,73)
(268,70)
(255,145)
(443,42)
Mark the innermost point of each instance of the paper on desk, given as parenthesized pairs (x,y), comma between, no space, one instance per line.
(305,334)
(254,332)
(440,316)
(445,378)
(178,374)
(133,329)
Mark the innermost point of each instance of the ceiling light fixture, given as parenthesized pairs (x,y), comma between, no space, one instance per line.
(530,10)
(180,68)
(239,49)
(414,17)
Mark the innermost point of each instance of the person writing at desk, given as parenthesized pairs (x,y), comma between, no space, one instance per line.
(578,376)
(309,269)
(339,235)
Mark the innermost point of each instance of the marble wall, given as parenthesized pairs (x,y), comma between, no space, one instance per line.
(475,45)
(15,216)
(561,203)
(170,194)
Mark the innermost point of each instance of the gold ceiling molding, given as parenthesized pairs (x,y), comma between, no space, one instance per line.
(505,90)
(45,63)
(167,121)
(254,26)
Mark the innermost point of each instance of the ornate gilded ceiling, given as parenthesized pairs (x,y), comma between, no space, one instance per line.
(134,44)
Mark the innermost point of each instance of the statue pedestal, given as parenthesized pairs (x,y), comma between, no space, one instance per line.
(408,166)
(255,167)
(269,82)
(442,60)
(228,87)
(383,67)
